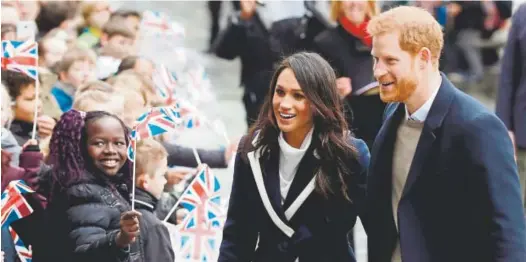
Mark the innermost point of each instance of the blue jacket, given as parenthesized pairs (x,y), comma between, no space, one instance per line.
(64,95)
(461,201)
(316,232)
(511,102)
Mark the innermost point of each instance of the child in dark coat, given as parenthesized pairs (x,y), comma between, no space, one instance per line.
(151,168)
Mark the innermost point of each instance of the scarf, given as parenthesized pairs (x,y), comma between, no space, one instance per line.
(359,31)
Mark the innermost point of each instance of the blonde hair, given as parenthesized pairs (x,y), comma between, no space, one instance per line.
(148,154)
(417,29)
(97,100)
(75,54)
(7,113)
(94,85)
(131,80)
(118,26)
(337,12)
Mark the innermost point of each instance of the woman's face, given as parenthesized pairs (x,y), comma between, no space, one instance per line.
(107,145)
(291,107)
(355,11)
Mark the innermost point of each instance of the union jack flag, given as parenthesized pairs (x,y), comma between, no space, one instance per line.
(197,242)
(157,21)
(14,205)
(25,254)
(21,57)
(165,83)
(160,120)
(200,85)
(202,200)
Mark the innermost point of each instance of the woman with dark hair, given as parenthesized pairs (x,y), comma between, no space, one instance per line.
(299,175)
(89,201)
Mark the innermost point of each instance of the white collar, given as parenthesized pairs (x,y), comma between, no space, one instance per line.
(288,149)
(420,114)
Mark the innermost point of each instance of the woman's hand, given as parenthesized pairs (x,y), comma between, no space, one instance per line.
(129,228)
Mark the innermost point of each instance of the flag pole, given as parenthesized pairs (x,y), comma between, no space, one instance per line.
(133,174)
(179,200)
(196,155)
(35,115)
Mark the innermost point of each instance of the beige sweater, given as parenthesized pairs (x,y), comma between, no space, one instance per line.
(407,138)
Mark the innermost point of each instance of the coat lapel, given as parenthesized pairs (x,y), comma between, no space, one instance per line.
(303,176)
(434,120)
(272,185)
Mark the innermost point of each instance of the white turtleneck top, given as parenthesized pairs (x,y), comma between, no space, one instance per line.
(289,160)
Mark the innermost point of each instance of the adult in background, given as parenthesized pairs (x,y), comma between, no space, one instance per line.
(347,47)
(443,183)
(511,102)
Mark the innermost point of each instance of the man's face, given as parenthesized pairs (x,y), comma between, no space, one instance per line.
(394,68)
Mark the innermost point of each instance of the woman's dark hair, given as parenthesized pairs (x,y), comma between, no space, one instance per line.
(68,148)
(331,135)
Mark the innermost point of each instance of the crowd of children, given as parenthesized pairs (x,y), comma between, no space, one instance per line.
(92,86)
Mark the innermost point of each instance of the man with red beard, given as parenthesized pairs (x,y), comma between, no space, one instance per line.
(443,183)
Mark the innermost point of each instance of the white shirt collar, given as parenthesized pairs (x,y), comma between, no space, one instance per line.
(420,115)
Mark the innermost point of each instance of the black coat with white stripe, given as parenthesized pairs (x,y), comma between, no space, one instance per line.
(319,226)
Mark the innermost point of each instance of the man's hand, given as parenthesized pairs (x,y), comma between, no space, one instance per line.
(343,84)
(248,8)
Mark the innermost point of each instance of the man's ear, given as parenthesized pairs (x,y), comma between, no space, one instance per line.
(425,57)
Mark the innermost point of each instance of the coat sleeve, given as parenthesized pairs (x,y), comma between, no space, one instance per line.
(88,224)
(359,191)
(159,245)
(239,233)
(494,183)
(510,72)
(184,156)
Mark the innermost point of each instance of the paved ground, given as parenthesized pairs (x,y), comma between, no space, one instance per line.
(193,15)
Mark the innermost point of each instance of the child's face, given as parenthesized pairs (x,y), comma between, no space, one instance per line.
(107,145)
(24,107)
(121,43)
(55,49)
(133,22)
(133,109)
(79,73)
(155,185)
(100,15)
